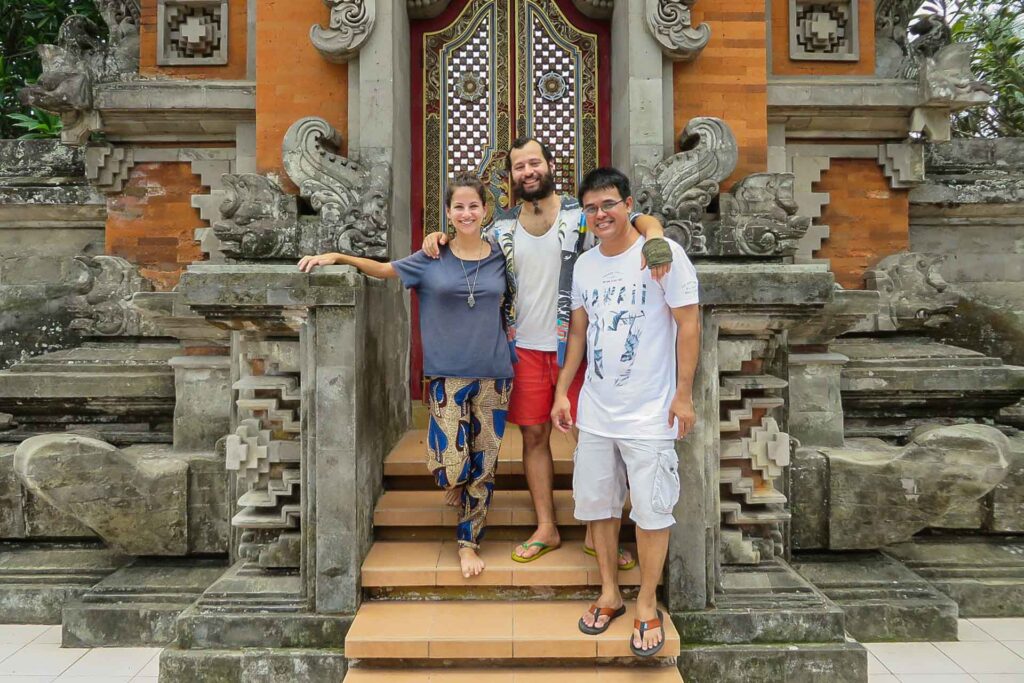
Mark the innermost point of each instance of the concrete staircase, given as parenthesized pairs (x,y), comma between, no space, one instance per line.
(421,620)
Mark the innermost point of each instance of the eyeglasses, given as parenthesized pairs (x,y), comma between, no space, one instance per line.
(603,206)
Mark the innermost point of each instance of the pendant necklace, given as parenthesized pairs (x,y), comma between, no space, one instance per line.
(470,300)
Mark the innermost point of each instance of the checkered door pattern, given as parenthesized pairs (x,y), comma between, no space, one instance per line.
(557,97)
(554,96)
(468,110)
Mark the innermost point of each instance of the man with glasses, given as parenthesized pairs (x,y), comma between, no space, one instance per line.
(541,237)
(641,337)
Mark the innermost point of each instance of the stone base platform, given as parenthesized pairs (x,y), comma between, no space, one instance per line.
(984,575)
(769,624)
(138,605)
(37,580)
(881,598)
(255,664)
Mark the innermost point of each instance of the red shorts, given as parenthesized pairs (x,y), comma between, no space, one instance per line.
(533,390)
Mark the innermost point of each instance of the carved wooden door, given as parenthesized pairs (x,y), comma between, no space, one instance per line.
(487,71)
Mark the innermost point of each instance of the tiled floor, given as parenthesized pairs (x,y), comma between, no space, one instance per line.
(989,651)
(32,654)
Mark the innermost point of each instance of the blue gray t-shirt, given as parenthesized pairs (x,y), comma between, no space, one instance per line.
(459,341)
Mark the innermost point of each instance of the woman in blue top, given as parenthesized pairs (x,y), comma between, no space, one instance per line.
(466,356)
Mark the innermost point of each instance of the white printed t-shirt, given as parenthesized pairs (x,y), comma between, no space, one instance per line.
(631,341)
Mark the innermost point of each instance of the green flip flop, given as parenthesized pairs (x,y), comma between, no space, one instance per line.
(622,551)
(544,550)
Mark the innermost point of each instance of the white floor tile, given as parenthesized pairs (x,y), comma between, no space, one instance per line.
(40,660)
(875,667)
(1002,629)
(1015,646)
(153,667)
(7,649)
(999,678)
(146,679)
(21,634)
(983,658)
(51,636)
(969,632)
(113,661)
(26,679)
(913,658)
(875,678)
(930,678)
(90,679)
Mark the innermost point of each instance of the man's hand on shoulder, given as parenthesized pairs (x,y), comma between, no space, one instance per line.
(681,413)
(432,244)
(657,255)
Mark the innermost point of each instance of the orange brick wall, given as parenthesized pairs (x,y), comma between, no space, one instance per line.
(237,38)
(782,65)
(151,223)
(729,79)
(867,219)
(292,79)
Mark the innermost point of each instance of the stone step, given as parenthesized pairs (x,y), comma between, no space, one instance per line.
(398,564)
(509,630)
(592,674)
(881,599)
(408,457)
(508,508)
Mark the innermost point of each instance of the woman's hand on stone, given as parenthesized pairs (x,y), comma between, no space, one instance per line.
(308,263)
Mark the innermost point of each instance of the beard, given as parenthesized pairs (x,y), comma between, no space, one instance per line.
(545,188)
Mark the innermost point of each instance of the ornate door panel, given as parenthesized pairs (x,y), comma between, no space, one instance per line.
(488,71)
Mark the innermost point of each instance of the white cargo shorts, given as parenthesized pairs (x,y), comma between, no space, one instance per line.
(605,468)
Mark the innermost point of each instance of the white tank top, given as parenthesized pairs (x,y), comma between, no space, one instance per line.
(538,262)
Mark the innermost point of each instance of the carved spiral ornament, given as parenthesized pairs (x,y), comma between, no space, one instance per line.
(669,23)
(349,26)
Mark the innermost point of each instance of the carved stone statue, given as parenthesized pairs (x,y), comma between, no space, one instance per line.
(914,295)
(679,189)
(259,220)
(103,306)
(758,218)
(82,57)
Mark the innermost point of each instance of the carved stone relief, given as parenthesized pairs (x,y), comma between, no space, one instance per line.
(670,23)
(823,30)
(103,306)
(758,218)
(680,188)
(260,221)
(192,32)
(350,25)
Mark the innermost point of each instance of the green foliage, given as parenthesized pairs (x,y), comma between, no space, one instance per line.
(24,24)
(995,31)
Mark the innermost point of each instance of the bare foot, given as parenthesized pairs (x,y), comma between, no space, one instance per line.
(546,534)
(652,636)
(471,563)
(453,496)
(612,601)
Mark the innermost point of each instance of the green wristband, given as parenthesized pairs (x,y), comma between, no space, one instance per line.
(657,252)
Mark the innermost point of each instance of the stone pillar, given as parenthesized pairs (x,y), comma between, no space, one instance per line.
(202,401)
(332,368)
(815,404)
(638,96)
(692,556)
